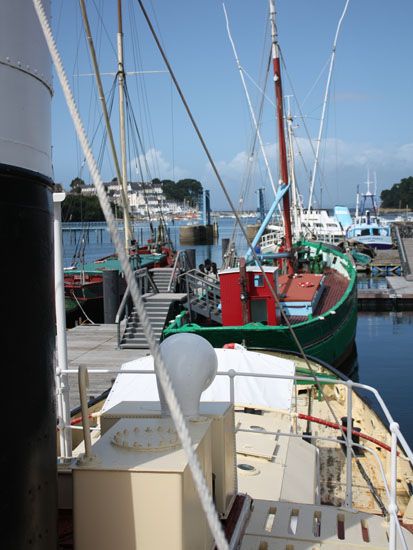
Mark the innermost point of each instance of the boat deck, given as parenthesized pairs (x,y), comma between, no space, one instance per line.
(111,263)
(335,285)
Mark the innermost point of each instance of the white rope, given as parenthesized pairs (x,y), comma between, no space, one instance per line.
(247,95)
(81,308)
(176,413)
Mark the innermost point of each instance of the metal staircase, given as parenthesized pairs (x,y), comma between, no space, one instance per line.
(161,276)
(160,301)
(157,307)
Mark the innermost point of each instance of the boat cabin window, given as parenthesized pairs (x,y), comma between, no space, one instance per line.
(258,280)
(365,232)
(259,311)
(375,231)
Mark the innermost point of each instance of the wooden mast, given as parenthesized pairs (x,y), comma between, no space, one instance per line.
(121,86)
(281,135)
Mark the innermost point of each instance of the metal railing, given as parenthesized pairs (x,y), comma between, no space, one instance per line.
(181,265)
(145,283)
(402,251)
(397,438)
(203,294)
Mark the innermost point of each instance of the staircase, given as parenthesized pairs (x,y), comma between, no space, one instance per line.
(157,307)
(203,296)
(161,277)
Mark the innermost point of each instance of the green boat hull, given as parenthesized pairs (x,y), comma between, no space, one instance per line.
(329,337)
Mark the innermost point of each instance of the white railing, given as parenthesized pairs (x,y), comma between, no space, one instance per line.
(396,435)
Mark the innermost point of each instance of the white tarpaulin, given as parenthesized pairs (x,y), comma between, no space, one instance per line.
(258,392)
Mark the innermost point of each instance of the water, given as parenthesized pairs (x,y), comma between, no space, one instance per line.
(98,243)
(384,351)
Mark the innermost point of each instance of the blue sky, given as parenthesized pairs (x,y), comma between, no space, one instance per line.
(370,114)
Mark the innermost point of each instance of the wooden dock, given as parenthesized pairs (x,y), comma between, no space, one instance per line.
(96,347)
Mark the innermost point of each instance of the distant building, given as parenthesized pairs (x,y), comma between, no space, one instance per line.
(144,198)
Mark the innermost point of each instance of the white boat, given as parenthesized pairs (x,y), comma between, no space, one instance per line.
(279,473)
(367,227)
(316,224)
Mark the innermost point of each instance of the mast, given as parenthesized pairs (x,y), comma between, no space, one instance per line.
(295,204)
(281,135)
(105,112)
(121,87)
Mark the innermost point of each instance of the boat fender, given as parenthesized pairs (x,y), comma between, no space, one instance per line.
(233,345)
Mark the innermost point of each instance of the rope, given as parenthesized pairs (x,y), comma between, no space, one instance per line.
(81,308)
(162,374)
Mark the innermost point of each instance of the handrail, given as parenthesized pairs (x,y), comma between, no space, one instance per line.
(402,252)
(396,436)
(177,264)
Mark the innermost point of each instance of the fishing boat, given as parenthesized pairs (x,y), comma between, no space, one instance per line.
(367,227)
(84,283)
(309,285)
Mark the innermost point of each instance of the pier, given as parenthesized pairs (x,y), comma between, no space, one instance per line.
(398,296)
(96,347)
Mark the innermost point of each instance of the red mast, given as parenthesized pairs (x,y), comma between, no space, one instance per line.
(281,134)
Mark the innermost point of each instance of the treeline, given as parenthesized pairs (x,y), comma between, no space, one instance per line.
(399,196)
(186,190)
(76,208)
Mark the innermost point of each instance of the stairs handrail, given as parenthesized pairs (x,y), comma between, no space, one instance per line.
(142,276)
(402,251)
(198,275)
(203,293)
(181,261)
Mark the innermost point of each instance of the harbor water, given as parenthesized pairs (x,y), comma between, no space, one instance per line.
(384,351)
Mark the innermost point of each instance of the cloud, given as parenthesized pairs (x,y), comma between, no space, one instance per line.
(343,165)
(153,164)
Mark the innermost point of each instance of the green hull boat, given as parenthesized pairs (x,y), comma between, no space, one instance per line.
(327,333)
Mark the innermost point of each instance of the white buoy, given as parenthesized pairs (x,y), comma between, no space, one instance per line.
(192,364)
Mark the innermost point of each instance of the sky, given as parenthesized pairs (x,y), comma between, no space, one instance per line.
(369,121)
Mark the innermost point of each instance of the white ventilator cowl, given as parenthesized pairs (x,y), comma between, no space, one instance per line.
(192,364)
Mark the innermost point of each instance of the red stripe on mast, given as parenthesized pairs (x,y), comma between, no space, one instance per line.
(281,135)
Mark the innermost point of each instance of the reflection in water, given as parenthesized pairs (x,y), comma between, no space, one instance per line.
(365,281)
(351,367)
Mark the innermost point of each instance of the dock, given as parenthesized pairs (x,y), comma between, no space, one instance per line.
(398,296)
(96,347)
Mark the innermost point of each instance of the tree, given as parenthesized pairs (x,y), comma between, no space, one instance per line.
(183,190)
(78,208)
(191,190)
(76,185)
(399,196)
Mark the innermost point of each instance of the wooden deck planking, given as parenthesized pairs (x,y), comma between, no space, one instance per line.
(96,347)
